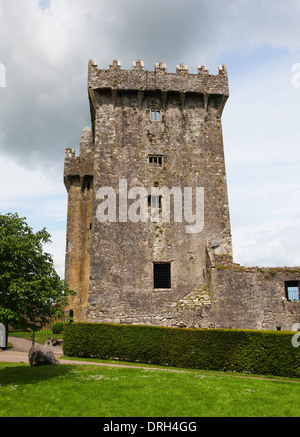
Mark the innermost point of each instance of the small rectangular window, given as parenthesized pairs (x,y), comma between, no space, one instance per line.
(154,201)
(162,275)
(155,160)
(292,290)
(155,115)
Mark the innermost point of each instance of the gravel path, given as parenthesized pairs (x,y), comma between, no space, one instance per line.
(19,352)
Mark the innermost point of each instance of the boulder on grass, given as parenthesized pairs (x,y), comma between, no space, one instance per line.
(41,355)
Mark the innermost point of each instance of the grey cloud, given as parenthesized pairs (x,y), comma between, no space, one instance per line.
(45,105)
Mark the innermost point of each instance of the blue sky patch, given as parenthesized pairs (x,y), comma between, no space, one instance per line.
(45,4)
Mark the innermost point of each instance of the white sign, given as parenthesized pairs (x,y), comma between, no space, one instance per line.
(2,336)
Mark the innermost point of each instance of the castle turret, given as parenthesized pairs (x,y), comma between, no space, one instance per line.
(78,179)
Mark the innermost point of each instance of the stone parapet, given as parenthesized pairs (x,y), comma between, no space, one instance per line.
(140,79)
(83,164)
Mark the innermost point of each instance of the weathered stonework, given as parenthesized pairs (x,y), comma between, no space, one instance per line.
(78,178)
(160,129)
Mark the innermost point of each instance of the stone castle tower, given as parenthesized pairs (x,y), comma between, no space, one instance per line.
(155,147)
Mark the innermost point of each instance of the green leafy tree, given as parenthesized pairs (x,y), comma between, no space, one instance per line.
(31,292)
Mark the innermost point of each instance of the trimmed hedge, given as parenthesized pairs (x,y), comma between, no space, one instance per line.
(58,327)
(258,352)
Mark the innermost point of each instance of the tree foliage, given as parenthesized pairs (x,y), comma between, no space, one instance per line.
(31,292)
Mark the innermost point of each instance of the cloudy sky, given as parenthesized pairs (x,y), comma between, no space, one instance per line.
(44,50)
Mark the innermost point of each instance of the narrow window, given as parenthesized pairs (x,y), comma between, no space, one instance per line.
(292,290)
(155,115)
(155,160)
(87,183)
(154,201)
(162,275)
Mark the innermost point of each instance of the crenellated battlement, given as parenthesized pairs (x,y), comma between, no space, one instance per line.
(143,80)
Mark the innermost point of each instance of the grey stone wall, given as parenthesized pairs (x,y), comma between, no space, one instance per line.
(253,298)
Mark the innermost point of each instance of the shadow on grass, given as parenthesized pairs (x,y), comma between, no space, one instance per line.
(24,374)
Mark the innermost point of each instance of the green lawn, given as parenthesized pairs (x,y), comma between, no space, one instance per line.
(70,390)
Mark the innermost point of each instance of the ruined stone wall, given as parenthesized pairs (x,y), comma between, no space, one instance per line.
(253,298)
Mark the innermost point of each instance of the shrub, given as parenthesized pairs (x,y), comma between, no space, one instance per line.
(58,327)
(260,352)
